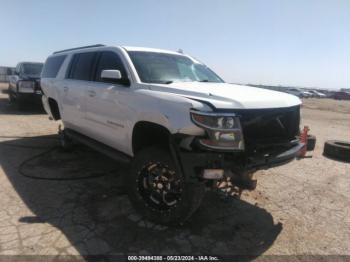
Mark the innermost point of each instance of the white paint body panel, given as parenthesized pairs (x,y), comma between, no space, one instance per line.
(110,115)
(230,96)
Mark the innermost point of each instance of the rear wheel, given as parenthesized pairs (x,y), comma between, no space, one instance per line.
(158,191)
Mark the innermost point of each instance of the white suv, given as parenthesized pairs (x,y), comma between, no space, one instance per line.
(178,124)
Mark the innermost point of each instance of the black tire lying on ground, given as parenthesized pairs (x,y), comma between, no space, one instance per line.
(337,149)
(311,142)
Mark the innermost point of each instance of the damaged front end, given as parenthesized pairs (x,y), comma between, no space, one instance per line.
(237,144)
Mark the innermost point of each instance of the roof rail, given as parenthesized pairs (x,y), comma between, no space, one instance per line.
(77,48)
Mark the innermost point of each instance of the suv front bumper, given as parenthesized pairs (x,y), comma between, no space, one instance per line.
(193,162)
(278,159)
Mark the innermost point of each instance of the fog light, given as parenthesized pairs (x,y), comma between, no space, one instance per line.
(213,173)
(225,137)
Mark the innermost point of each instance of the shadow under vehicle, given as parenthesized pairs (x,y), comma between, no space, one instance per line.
(80,194)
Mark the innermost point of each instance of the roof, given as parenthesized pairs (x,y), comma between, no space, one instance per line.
(127,48)
(147,49)
(27,62)
(78,48)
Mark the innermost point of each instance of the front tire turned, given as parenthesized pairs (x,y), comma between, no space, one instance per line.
(158,191)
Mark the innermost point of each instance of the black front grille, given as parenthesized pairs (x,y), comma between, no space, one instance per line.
(266,126)
(270,125)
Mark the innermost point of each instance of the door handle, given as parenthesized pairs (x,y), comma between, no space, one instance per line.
(92,93)
(65,89)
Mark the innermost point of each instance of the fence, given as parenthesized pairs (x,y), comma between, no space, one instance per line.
(5,72)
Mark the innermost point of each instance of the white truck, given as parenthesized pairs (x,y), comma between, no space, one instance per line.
(177,124)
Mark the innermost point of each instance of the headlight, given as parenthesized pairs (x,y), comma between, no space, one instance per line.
(26,86)
(224,130)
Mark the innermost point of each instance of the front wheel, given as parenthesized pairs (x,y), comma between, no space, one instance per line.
(11,96)
(158,191)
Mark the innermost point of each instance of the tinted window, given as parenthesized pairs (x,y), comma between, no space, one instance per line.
(52,66)
(82,66)
(109,60)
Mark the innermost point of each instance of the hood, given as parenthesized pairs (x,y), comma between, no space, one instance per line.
(230,96)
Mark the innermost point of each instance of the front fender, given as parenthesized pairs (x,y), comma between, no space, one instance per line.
(169,110)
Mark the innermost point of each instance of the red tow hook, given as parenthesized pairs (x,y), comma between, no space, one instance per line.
(303,139)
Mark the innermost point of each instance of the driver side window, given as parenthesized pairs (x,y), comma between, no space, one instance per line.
(109,61)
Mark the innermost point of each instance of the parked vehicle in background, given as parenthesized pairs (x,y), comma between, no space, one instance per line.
(179,125)
(341,95)
(317,94)
(307,94)
(295,91)
(24,85)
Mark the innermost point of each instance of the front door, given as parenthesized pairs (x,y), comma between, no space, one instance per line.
(107,104)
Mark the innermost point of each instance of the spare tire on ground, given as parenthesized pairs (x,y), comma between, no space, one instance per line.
(337,149)
(311,142)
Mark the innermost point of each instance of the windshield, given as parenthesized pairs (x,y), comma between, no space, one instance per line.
(167,68)
(32,69)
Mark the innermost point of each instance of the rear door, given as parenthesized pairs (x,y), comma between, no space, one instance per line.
(74,86)
(107,104)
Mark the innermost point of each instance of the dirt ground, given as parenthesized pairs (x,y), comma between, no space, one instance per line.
(300,208)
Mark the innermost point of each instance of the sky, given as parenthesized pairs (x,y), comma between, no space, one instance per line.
(274,42)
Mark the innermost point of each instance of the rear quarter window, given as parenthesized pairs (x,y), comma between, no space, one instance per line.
(52,66)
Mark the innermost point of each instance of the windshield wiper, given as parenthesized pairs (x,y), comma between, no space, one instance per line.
(161,82)
(204,80)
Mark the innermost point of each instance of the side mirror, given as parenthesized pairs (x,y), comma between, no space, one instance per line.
(114,76)
(111,74)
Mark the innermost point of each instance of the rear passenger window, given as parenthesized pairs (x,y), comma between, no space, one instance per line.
(82,66)
(52,66)
(109,60)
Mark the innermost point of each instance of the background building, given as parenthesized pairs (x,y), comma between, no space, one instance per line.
(5,72)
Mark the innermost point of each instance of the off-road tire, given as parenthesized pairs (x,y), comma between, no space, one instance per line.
(191,195)
(311,142)
(11,96)
(337,150)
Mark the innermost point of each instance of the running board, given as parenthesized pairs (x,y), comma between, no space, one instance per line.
(98,146)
